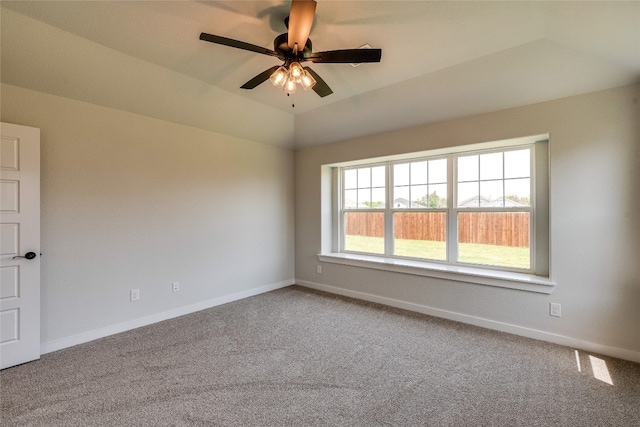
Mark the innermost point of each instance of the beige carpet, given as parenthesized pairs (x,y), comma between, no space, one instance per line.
(295,357)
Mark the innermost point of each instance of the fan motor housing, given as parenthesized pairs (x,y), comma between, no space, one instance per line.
(281,46)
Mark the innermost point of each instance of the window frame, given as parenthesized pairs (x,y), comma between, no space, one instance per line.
(536,278)
(343,211)
(531,209)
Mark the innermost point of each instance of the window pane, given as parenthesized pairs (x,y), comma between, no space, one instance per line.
(364,177)
(419,196)
(378,198)
(377,176)
(364,232)
(351,178)
(401,197)
(419,172)
(438,171)
(491,166)
(518,191)
(420,234)
(350,199)
(494,238)
(401,174)
(491,193)
(468,193)
(364,198)
(438,196)
(468,168)
(517,164)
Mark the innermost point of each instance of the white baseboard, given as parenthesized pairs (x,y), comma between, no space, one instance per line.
(619,353)
(84,337)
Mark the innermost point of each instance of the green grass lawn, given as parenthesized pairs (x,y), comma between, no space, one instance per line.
(472,253)
(421,249)
(372,245)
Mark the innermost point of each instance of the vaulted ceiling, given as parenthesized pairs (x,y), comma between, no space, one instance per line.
(440,60)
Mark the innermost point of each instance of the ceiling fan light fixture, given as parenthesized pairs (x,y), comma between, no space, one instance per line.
(295,72)
(279,77)
(306,80)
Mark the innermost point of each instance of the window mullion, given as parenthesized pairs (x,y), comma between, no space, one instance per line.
(452,216)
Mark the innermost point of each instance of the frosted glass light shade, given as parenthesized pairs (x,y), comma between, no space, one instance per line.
(295,72)
(279,77)
(290,86)
(306,80)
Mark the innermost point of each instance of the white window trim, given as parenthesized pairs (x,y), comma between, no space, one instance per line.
(525,281)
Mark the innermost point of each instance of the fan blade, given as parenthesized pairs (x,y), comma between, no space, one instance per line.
(300,22)
(321,87)
(260,78)
(354,56)
(237,44)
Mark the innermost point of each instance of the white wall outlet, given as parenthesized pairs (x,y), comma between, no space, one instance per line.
(135,294)
(175,286)
(319,269)
(554,309)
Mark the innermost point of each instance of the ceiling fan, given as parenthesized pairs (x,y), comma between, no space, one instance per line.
(294,48)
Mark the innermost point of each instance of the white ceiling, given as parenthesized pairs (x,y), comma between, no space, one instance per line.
(440,60)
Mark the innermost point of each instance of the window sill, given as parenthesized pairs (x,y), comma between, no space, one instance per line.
(480,276)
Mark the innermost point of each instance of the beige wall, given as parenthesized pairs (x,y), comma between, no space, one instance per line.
(134,202)
(595,222)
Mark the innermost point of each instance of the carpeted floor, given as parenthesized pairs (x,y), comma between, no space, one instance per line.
(296,357)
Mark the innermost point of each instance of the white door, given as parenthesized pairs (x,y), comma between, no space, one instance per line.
(19,245)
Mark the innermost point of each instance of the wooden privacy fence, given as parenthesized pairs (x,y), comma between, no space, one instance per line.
(489,228)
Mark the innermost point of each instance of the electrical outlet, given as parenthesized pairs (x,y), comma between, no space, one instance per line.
(319,269)
(175,286)
(135,294)
(554,309)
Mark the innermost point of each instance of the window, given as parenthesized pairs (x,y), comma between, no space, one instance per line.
(364,200)
(483,206)
(420,209)
(494,208)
